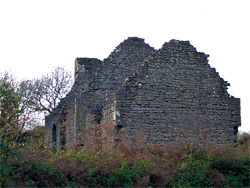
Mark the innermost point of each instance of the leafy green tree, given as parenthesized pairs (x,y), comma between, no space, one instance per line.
(23,102)
(11,108)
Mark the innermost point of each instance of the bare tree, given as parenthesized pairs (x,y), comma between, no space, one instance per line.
(48,90)
(22,102)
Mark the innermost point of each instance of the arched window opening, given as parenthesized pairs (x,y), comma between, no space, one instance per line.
(54,134)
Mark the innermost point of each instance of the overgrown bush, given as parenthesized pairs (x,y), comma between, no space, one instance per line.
(126,166)
(34,136)
(18,171)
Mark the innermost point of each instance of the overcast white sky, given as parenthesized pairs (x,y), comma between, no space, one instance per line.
(36,36)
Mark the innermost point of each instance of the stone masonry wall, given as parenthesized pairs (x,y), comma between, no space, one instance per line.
(175,95)
(169,94)
(95,81)
(70,108)
(108,78)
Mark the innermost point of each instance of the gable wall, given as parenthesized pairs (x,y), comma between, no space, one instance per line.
(94,82)
(175,95)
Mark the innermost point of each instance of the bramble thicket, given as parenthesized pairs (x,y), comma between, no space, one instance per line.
(32,163)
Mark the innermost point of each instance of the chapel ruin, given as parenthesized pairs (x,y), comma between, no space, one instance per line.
(170,94)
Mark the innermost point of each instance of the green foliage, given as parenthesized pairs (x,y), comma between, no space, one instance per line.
(10,107)
(6,173)
(235,172)
(85,156)
(15,107)
(34,136)
(194,172)
(125,176)
(244,141)
(16,170)
(21,102)
(183,166)
(9,100)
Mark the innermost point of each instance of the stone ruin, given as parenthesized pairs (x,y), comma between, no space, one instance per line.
(170,94)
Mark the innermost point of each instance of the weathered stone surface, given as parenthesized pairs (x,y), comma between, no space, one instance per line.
(170,94)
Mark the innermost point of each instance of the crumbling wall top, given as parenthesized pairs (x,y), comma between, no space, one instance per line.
(81,64)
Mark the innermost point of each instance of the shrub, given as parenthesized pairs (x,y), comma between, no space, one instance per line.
(194,171)
(17,170)
(125,166)
(235,172)
(7,176)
